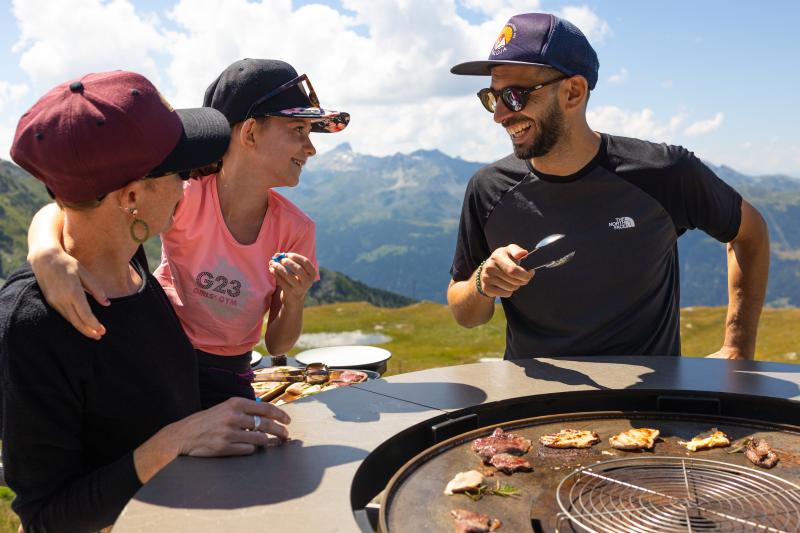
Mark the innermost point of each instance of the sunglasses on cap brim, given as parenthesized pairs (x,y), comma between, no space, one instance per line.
(194,173)
(302,82)
(514,98)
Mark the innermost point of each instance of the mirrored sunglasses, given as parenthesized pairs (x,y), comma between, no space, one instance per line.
(514,98)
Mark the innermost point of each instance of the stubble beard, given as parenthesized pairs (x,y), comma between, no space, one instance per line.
(550,131)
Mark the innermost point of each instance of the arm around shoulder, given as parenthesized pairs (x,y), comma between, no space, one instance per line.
(60,276)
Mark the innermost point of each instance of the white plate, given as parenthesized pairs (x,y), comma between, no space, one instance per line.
(255,358)
(344,356)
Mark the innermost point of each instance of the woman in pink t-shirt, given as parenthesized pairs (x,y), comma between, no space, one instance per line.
(218,262)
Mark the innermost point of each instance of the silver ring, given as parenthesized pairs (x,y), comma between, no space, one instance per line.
(256,422)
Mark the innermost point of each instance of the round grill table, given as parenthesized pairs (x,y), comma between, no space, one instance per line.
(348,443)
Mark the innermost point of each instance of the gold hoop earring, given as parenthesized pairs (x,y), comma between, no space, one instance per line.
(138,222)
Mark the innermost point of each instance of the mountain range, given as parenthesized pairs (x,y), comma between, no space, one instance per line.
(391,222)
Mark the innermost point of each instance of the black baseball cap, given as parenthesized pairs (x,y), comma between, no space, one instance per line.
(265,87)
(539,39)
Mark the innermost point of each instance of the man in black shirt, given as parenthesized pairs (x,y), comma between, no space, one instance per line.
(621,204)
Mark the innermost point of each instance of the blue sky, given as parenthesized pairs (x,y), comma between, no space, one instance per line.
(718,77)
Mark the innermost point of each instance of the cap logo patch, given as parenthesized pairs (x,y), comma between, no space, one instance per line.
(506,34)
(166,104)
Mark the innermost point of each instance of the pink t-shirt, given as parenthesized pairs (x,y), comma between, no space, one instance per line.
(221,289)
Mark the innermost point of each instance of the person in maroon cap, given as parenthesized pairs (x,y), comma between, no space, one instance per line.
(86,423)
(620,205)
(216,266)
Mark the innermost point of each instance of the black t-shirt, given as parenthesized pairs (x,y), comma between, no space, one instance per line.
(622,215)
(74,409)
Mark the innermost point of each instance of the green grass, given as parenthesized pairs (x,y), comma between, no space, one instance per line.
(703,328)
(9,523)
(425,335)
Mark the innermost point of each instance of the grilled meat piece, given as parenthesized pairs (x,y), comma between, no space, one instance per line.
(348,376)
(500,442)
(570,438)
(716,439)
(510,463)
(635,439)
(472,522)
(759,452)
(470,480)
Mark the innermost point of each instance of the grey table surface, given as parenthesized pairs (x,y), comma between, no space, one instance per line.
(304,485)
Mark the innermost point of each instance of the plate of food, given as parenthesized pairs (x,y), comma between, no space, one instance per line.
(352,357)
(338,379)
(268,390)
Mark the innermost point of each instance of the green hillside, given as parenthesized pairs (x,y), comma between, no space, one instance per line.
(20,197)
(424,335)
(335,287)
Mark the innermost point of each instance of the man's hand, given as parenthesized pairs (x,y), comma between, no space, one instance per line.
(501,276)
(728,352)
(294,274)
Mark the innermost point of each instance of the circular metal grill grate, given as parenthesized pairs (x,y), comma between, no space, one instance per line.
(666,494)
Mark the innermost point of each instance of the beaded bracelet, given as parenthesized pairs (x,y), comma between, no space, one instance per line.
(478,279)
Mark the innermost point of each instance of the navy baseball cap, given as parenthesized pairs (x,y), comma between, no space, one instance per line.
(539,39)
(269,87)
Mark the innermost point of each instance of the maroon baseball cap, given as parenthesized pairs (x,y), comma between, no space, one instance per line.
(93,135)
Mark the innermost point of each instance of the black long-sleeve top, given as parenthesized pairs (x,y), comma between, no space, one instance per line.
(74,409)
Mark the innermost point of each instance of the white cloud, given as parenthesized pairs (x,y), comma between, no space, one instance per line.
(10,93)
(7,129)
(595,28)
(61,40)
(620,77)
(490,7)
(11,96)
(405,57)
(764,156)
(704,126)
(642,124)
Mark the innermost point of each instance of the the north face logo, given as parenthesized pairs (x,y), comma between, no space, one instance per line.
(622,223)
